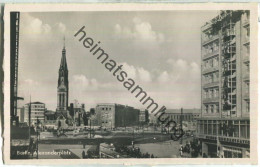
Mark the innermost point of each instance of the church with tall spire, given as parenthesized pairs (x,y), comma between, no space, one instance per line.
(63,85)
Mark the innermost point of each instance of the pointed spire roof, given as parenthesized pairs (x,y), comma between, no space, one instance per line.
(63,63)
(64,42)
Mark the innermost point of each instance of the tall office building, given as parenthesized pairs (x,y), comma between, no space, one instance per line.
(224,126)
(37,112)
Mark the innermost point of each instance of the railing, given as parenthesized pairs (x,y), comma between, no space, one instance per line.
(211,100)
(209,70)
(209,39)
(213,53)
(224,138)
(212,84)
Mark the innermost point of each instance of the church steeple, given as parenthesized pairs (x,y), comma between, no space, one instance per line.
(63,84)
(63,63)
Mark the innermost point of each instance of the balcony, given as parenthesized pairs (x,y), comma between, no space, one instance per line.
(211,100)
(210,39)
(209,70)
(206,26)
(246,59)
(225,138)
(246,77)
(246,95)
(212,84)
(246,40)
(208,55)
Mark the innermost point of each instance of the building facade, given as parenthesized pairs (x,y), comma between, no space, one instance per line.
(20,114)
(76,112)
(110,115)
(188,115)
(143,116)
(63,86)
(37,112)
(224,128)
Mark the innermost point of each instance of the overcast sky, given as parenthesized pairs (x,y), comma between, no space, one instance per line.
(159,50)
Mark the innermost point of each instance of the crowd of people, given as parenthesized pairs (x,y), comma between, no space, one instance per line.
(193,148)
(133,152)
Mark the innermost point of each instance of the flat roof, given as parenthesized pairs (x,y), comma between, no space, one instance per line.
(185,111)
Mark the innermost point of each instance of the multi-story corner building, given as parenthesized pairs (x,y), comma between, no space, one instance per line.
(111,115)
(224,126)
(37,112)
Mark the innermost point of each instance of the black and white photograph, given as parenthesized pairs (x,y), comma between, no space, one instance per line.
(131,84)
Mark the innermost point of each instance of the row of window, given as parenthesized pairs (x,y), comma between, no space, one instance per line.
(43,109)
(106,108)
(211,108)
(184,117)
(212,77)
(229,128)
(213,62)
(211,93)
(208,35)
(229,31)
(37,106)
(210,48)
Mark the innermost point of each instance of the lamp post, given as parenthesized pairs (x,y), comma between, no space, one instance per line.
(181,123)
(37,132)
(90,128)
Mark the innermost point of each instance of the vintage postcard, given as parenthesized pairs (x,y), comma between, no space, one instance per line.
(130,84)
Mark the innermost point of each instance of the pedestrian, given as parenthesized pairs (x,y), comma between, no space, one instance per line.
(205,155)
(181,150)
(83,154)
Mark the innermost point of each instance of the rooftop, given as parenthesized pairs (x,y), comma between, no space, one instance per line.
(185,111)
(36,102)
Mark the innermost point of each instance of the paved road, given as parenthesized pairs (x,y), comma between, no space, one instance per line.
(166,149)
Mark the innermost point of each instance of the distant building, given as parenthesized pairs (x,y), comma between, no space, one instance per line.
(76,112)
(143,116)
(110,115)
(37,112)
(50,115)
(188,115)
(20,114)
(153,119)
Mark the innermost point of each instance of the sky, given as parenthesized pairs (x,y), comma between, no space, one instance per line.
(160,50)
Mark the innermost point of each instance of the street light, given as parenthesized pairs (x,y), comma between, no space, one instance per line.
(37,132)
